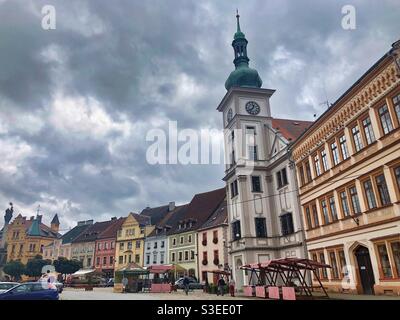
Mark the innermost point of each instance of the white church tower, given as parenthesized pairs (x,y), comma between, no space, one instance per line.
(263,209)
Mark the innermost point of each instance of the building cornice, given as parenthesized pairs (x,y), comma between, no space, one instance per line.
(354,103)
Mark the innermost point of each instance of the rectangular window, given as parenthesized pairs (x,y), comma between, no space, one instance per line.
(189,238)
(162,244)
(324,160)
(120,259)
(332,207)
(287,224)
(325,213)
(98,261)
(397,174)
(384,261)
(137,258)
(147,258)
(317,165)
(396,104)
(174,241)
(358,144)
(138,244)
(301,171)
(236,232)
(335,153)
(191,254)
(155,245)
(308,171)
(382,190)
(216,255)
(256,183)
(396,256)
(368,130)
(261,227)
(343,264)
(130,245)
(186,255)
(253,156)
(181,240)
(215,236)
(121,246)
(386,121)
(281,177)
(162,258)
(111,261)
(322,260)
(343,147)
(104,261)
(355,202)
(173,257)
(308,218)
(234,189)
(369,194)
(334,270)
(344,203)
(315,215)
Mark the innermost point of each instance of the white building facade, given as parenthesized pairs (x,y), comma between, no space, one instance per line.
(263,208)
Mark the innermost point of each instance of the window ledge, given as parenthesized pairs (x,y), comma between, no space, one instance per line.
(388,134)
(389,279)
(378,208)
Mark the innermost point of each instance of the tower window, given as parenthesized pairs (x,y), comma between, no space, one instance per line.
(253,153)
(236,232)
(287,224)
(261,228)
(256,183)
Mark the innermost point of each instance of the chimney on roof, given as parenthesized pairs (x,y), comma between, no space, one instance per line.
(89,222)
(113,218)
(171,206)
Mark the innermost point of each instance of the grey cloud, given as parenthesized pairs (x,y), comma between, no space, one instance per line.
(129,56)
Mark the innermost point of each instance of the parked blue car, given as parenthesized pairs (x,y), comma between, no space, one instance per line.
(29,291)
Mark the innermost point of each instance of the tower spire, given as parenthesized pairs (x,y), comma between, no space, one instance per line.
(238,22)
(242,76)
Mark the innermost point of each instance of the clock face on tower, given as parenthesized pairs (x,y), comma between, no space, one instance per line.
(252,108)
(230,115)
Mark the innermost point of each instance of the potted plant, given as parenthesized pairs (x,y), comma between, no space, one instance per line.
(216,261)
(204,262)
(215,240)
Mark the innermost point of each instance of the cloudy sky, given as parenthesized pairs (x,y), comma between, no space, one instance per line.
(76,102)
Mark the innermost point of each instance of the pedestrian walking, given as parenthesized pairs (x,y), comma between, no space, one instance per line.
(186,283)
(221,286)
(232,287)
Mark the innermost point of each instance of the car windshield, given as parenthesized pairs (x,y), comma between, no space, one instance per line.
(6,286)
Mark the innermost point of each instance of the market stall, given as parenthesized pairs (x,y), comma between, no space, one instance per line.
(288,275)
(131,278)
(162,278)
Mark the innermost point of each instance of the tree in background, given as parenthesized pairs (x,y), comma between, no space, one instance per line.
(14,269)
(34,266)
(65,266)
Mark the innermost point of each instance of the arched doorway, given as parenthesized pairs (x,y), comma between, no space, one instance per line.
(239,273)
(365,272)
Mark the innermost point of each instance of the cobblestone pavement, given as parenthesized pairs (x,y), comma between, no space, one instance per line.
(108,294)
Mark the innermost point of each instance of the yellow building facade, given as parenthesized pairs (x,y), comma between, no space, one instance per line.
(28,238)
(130,240)
(348,170)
